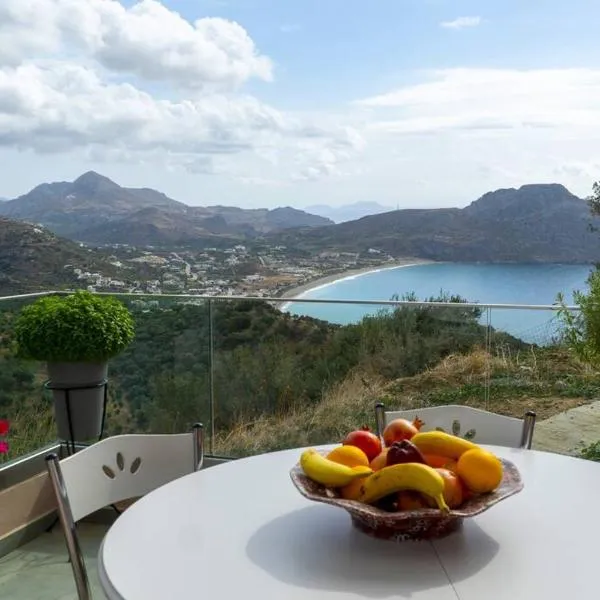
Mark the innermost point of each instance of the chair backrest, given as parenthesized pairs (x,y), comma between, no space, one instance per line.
(125,466)
(489,428)
(114,469)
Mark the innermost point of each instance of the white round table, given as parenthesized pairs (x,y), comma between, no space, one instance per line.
(241,530)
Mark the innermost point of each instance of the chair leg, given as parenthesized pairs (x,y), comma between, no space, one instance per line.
(198,437)
(380,419)
(528,427)
(68,526)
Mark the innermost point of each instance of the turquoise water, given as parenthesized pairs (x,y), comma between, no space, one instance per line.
(484,283)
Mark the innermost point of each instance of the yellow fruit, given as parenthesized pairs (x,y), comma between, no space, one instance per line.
(327,472)
(380,460)
(352,490)
(405,476)
(480,470)
(351,456)
(442,444)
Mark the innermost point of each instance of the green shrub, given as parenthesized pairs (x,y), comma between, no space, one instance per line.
(582,328)
(81,327)
(591,452)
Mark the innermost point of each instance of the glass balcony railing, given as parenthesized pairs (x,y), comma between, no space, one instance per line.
(262,374)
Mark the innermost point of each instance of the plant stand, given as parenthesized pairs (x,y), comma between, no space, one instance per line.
(70,442)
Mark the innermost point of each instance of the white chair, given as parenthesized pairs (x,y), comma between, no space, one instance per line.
(488,428)
(115,469)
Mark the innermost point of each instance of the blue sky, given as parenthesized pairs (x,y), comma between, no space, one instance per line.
(328,52)
(269,103)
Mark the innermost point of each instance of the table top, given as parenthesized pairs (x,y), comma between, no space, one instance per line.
(241,529)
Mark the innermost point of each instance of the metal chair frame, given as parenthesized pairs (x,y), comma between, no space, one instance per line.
(69,524)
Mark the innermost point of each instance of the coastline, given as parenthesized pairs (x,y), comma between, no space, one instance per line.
(319,282)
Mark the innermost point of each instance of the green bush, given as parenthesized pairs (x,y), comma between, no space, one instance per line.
(81,327)
(582,328)
(591,452)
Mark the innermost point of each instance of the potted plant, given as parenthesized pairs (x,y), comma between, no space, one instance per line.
(75,335)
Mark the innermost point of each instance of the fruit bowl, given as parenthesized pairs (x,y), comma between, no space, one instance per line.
(420,524)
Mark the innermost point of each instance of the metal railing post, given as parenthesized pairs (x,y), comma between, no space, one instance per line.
(211,376)
(488,352)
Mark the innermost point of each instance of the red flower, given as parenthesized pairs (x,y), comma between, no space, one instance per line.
(4,426)
(3,447)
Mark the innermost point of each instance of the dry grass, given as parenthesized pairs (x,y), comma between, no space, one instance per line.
(455,369)
(547,381)
(342,408)
(31,427)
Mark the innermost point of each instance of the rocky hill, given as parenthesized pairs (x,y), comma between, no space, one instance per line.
(33,259)
(535,223)
(67,208)
(97,210)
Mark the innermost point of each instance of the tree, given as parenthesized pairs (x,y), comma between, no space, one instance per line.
(594,200)
(582,328)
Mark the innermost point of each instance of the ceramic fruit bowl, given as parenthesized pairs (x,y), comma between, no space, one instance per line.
(421,524)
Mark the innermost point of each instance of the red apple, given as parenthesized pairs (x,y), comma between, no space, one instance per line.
(366,440)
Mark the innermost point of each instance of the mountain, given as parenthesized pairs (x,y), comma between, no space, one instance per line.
(535,223)
(348,212)
(199,226)
(95,209)
(70,207)
(33,259)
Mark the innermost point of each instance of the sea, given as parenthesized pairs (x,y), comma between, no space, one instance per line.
(520,284)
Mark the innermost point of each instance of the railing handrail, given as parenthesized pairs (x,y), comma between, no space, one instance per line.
(30,295)
(286,300)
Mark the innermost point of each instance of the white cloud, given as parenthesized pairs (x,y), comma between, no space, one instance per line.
(78,75)
(490,100)
(147,40)
(261,181)
(461,23)
(466,131)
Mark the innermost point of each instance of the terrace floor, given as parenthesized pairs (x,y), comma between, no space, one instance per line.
(40,569)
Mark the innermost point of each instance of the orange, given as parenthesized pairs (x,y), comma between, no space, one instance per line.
(351,456)
(440,462)
(453,489)
(352,490)
(410,500)
(480,470)
(380,460)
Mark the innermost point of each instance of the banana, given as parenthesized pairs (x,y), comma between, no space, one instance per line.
(442,444)
(327,472)
(405,476)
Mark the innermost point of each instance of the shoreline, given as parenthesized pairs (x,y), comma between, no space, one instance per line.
(300,290)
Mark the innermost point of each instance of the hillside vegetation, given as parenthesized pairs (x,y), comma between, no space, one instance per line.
(282,381)
(33,259)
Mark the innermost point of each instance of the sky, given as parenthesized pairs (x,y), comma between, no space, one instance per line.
(265,103)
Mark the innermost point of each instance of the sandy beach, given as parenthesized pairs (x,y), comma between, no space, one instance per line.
(300,290)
